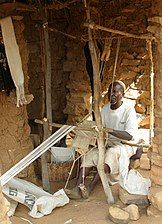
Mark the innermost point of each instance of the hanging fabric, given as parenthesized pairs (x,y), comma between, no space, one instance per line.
(6,82)
(14,59)
(89,66)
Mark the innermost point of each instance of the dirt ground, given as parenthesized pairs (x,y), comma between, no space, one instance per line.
(89,211)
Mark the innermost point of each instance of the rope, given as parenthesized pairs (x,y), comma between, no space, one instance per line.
(115,65)
(83,175)
(72,167)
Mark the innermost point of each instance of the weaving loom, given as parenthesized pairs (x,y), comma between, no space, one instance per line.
(37,152)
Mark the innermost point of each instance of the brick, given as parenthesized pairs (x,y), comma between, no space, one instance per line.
(156,159)
(154,212)
(130,62)
(155,197)
(128,199)
(134,164)
(145,162)
(140,108)
(156,174)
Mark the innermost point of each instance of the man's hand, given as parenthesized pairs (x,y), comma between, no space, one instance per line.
(108,130)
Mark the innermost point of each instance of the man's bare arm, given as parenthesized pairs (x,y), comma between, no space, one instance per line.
(121,134)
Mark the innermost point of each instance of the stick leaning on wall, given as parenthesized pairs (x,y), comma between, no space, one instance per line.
(100,140)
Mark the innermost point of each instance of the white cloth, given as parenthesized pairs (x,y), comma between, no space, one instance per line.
(122,119)
(13,58)
(36,199)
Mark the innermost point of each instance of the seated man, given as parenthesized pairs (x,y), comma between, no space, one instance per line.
(120,117)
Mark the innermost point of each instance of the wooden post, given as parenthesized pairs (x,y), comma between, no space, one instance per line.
(151,91)
(47,129)
(47,72)
(44,164)
(97,97)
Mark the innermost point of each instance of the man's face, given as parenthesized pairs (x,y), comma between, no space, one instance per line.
(115,94)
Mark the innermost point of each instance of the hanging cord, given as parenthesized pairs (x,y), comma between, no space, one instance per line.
(71,170)
(105,56)
(115,65)
(83,175)
(72,167)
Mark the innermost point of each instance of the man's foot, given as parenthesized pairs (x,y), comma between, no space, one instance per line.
(84,191)
(73,193)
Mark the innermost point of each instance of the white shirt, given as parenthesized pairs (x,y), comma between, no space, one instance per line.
(122,119)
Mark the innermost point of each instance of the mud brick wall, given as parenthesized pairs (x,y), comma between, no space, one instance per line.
(36,69)
(14,128)
(60,77)
(155,154)
(133,63)
(78,98)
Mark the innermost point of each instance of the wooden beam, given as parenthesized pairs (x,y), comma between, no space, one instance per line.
(94,26)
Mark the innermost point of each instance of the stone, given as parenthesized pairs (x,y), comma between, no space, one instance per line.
(140,108)
(134,164)
(69,66)
(145,149)
(156,19)
(145,123)
(128,56)
(144,98)
(4,207)
(128,199)
(118,215)
(156,159)
(145,162)
(130,62)
(156,174)
(154,212)
(155,197)
(133,212)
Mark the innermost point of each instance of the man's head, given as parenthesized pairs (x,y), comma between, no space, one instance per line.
(116,92)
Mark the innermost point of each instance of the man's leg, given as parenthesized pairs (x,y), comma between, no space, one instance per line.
(97,178)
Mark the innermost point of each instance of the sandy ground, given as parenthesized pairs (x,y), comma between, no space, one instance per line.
(90,211)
